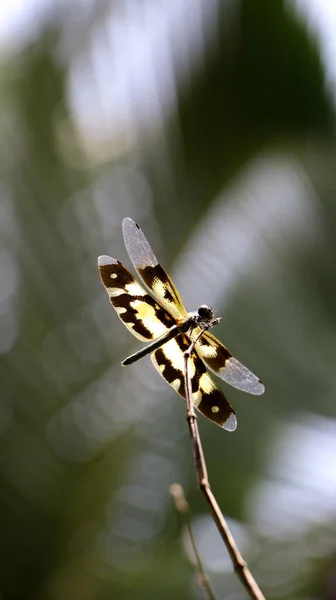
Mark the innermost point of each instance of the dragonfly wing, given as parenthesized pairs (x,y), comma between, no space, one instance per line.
(219,360)
(152,274)
(206,395)
(139,312)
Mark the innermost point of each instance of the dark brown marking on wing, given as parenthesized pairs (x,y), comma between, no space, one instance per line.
(121,278)
(220,356)
(130,314)
(212,396)
(183,342)
(200,369)
(217,399)
(167,292)
(169,372)
(152,274)
(168,296)
(116,276)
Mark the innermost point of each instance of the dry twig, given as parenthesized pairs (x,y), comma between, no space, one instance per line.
(182,507)
(240,566)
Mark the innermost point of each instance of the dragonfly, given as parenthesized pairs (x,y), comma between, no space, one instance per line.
(160,318)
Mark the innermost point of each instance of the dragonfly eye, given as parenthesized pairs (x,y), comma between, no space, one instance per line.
(205,313)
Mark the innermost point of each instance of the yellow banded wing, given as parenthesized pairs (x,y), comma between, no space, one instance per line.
(206,395)
(152,274)
(219,360)
(139,312)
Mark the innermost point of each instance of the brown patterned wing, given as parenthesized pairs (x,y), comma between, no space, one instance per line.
(206,396)
(152,274)
(139,312)
(219,360)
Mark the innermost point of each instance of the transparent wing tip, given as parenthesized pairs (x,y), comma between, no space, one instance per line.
(128,223)
(253,385)
(240,377)
(137,246)
(106,260)
(260,388)
(231,423)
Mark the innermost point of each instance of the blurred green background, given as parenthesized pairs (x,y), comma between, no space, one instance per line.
(211,123)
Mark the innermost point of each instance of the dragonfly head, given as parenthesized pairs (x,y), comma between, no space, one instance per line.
(205,313)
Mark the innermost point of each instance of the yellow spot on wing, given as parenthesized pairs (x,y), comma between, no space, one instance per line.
(159,288)
(197,398)
(206,386)
(146,313)
(134,289)
(175,355)
(206,383)
(115,291)
(207,351)
(176,384)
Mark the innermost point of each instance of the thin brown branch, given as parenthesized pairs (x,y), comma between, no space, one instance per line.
(244,574)
(182,508)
